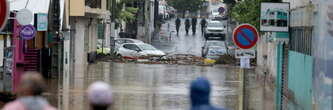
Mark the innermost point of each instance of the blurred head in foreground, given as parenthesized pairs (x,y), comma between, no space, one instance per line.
(200,95)
(31,84)
(99,95)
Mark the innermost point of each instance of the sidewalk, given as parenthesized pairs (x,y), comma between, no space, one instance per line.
(260,95)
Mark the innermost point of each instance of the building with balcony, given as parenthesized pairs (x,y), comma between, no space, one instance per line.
(83,20)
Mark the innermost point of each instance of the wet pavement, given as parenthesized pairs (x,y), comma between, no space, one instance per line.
(160,86)
(169,42)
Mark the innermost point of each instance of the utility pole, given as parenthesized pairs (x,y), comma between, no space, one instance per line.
(113,23)
(113,18)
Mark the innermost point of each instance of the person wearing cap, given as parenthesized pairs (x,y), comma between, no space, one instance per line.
(99,96)
(200,93)
(32,85)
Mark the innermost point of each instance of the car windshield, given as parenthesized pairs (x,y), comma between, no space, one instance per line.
(215,24)
(215,43)
(146,47)
(216,51)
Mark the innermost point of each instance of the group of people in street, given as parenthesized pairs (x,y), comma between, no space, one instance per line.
(188,23)
(99,94)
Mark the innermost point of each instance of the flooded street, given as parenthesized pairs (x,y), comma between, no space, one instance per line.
(159,86)
(148,87)
(166,54)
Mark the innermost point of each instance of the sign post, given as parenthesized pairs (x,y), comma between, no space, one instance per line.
(245,37)
(4,13)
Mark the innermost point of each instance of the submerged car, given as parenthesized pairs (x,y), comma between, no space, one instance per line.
(120,41)
(138,50)
(215,52)
(213,49)
(215,29)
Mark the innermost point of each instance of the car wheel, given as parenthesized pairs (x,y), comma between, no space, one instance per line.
(119,55)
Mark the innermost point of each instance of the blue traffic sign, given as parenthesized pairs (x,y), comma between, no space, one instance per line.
(221,10)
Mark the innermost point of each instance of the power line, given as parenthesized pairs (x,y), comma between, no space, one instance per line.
(27,3)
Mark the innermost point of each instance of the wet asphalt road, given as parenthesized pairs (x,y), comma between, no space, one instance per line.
(155,87)
(169,42)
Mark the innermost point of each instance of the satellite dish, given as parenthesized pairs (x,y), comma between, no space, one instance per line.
(24,16)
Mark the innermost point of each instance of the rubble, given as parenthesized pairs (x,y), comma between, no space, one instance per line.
(178,59)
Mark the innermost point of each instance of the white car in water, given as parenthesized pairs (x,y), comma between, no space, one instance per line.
(138,50)
(121,41)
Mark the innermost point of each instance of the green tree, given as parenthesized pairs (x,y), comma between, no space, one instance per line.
(121,13)
(248,11)
(186,5)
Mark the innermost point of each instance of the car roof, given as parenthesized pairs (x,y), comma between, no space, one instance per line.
(214,21)
(136,43)
(135,40)
(214,41)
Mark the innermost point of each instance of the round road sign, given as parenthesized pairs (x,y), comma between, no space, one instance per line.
(245,36)
(221,10)
(24,16)
(4,13)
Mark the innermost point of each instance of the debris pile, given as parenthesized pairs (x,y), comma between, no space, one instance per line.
(179,59)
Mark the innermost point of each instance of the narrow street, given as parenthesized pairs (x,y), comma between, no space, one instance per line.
(128,55)
(158,87)
(169,42)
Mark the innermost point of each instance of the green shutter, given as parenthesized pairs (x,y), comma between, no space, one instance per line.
(100,31)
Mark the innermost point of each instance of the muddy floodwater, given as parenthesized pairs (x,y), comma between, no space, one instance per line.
(161,86)
(146,87)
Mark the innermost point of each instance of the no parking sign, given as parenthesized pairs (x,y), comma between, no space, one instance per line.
(245,36)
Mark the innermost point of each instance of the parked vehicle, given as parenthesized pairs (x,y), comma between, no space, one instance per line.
(232,50)
(215,52)
(215,13)
(138,50)
(102,49)
(121,41)
(213,49)
(215,29)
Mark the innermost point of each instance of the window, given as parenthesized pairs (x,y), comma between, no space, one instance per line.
(272,13)
(93,3)
(129,41)
(272,22)
(131,47)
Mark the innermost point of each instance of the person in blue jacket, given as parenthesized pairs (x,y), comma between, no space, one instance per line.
(200,93)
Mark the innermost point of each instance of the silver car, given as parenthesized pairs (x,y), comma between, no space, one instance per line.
(120,41)
(214,49)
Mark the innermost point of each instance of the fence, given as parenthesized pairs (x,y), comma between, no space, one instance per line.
(301,40)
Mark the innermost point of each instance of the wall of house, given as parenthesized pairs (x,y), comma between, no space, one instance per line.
(323,55)
(266,56)
(77,7)
(80,55)
(297,3)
